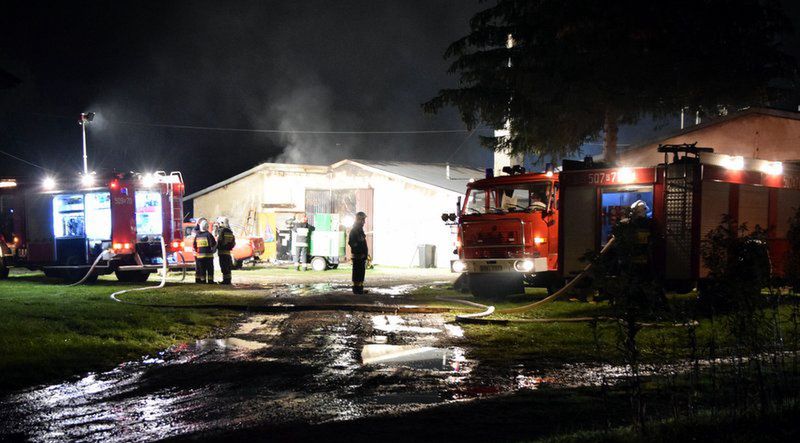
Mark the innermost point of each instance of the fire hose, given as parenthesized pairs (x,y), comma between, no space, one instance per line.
(147,288)
(479,317)
(89,273)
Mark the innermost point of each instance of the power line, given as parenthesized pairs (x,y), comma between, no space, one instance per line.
(24,161)
(284,131)
(461,145)
(266,131)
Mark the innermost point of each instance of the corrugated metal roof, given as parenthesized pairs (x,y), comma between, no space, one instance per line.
(434,174)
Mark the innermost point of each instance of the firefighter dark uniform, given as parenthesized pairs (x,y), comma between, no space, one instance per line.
(204,246)
(225,243)
(358,246)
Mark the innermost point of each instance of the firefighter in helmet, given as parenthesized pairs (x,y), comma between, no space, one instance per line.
(301,235)
(225,243)
(204,245)
(358,246)
(643,224)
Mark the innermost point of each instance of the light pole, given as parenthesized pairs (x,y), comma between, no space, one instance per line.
(86,117)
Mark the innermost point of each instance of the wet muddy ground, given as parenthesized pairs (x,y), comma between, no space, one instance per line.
(307,366)
(281,370)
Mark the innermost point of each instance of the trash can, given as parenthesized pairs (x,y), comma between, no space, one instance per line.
(427,256)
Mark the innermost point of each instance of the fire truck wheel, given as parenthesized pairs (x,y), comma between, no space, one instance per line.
(495,286)
(132,276)
(3,271)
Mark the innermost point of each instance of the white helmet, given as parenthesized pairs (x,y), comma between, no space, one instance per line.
(223,222)
(203,225)
(639,209)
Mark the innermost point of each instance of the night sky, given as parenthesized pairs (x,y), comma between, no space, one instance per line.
(310,65)
(286,65)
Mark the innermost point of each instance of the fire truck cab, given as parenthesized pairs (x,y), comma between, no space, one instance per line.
(118,221)
(508,233)
(686,196)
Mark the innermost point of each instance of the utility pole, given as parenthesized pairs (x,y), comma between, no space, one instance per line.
(86,117)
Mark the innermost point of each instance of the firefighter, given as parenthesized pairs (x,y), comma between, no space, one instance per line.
(225,243)
(196,228)
(358,246)
(643,229)
(204,246)
(301,234)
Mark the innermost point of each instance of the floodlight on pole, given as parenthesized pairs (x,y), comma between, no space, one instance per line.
(85,118)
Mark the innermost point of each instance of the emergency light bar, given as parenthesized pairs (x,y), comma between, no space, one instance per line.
(160,177)
(8,183)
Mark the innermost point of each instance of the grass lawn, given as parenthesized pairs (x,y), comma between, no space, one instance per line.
(549,344)
(49,331)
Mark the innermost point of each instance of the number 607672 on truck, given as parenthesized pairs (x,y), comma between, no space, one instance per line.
(508,234)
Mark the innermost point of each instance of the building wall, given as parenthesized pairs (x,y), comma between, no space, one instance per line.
(753,135)
(404,216)
(232,201)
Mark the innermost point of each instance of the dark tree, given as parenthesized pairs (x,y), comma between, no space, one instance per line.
(581,67)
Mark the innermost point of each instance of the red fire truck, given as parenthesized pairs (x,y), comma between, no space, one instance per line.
(508,233)
(121,218)
(686,196)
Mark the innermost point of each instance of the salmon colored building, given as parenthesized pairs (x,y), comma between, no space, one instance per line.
(759,133)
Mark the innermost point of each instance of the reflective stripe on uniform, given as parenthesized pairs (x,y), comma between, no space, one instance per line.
(205,255)
(201,242)
(221,252)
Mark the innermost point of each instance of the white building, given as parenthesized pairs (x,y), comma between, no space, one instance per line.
(403,202)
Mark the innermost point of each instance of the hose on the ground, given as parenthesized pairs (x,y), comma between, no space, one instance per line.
(89,273)
(183,267)
(147,288)
(489,310)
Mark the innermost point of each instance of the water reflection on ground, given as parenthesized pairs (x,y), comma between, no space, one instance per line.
(306,366)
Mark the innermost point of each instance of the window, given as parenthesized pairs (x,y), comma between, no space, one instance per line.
(616,205)
(522,197)
(69,219)
(148,214)
(98,216)
(476,201)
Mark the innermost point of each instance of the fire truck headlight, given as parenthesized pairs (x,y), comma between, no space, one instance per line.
(49,183)
(773,168)
(539,240)
(458,266)
(734,162)
(626,175)
(523,265)
(445,217)
(87,180)
(148,180)
(452,217)
(117,246)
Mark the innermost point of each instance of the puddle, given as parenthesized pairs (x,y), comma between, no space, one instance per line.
(289,370)
(231,343)
(417,357)
(311,289)
(396,324)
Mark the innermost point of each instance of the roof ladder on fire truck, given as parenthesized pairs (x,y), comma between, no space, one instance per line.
(679,186)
